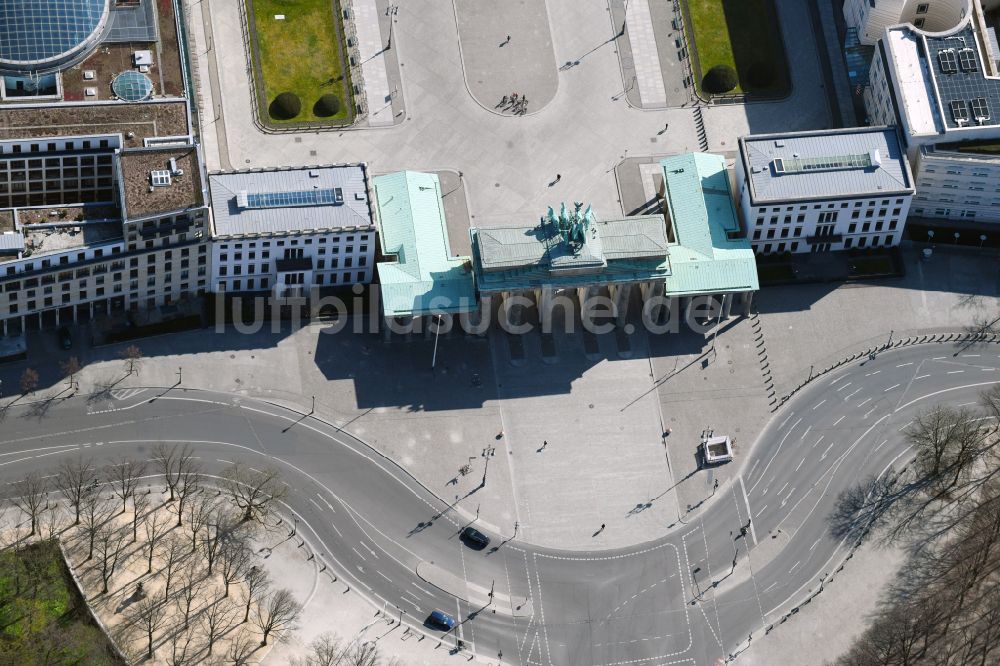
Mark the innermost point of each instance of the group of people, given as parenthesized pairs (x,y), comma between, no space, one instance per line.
(516,104)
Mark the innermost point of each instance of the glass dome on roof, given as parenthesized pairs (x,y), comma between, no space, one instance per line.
(132,86)
(43,34)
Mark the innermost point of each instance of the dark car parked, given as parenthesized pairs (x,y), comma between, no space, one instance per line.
(474,538)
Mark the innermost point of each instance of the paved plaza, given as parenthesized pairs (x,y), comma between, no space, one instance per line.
(507,161)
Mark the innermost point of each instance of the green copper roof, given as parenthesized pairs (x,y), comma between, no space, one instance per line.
(425,278)
(710,252)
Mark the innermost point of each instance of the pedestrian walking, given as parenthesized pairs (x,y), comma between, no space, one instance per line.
(715,487)
(558,177)
(545,443)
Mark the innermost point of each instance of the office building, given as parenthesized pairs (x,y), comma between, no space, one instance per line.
(825,190)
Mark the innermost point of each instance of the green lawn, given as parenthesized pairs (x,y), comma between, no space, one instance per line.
(43,620)
(302,55)
(744,35)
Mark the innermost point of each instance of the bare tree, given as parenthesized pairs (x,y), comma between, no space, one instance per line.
(70,368)
(124,477)
(173,554)
(76,480)
(110,543)
(132,356)
(96,511)
(140,502)
(252,491)
(30,496)
(236,560)
(222,526)
(166,460)
(188,483)
(362,654)
(183,650)
(256,581)
(150,615)
(326,650)
(201,510)
(241,647)
(155,526)
(277,612)
(29,381)
(188,593)
(218,618)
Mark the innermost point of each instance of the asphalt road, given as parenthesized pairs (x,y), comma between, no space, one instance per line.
(691,596)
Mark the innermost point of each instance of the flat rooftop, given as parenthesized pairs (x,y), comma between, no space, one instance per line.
(710,253)
(424,278)
(47,240)
(143,198)
(803,166)
(146,120)
(945,80)
(286,200)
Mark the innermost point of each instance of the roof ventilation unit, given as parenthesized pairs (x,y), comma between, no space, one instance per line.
(159,177)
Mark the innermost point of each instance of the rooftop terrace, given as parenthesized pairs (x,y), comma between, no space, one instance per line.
(142,198)
(141,120)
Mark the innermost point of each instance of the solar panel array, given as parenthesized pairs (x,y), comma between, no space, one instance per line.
(967,59)
(947,59)
(317,197)
(980,108)
(959,111)
(40,30)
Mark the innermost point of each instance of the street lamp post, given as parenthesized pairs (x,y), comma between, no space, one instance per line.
(956,237)
(982,239)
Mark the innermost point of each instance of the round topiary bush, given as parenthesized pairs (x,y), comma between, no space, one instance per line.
(761,75)
(326,106)
(720,79)
(285,106)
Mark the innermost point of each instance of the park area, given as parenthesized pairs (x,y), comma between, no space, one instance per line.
(300,62)
(738,47)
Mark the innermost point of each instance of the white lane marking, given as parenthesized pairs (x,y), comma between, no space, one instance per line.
(970,355)
(782,425)
(427,592)
(890,388)
(864,402)
(819,403)
(359,554)
(839,420)
(844,386)
(827,452)
(753,532)
(966,404)
(905,426)
(325,502)
(851,395)
(953,388)
(872,373)
(785,500)
(760,512)
(384,576)
(795,566)
(755,463)
(937,358)
(884,441)
(800,464)
(821,438)
(815,543)
(783,487)
(776,452)
(805,433)
(903,365)
(869,412)
(954,372)
(921,377)
(315,504)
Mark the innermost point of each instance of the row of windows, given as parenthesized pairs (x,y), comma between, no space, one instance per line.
(86,144)
(851,229)
(320,240)
(263,283)
(830,216)
(862,242)
(66,298)
(266,254)
(843,204)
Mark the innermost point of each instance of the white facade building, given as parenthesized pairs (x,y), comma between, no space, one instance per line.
(824,190)
(936,74)
(285,231)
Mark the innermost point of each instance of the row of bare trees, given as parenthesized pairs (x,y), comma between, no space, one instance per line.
(220,523)
(71,367)
(944,508)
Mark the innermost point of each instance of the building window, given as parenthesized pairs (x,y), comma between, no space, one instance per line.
(793,247)
(923,7)
(848,242)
